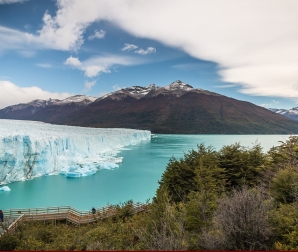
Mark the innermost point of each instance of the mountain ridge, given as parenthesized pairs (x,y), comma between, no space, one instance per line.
(177,108)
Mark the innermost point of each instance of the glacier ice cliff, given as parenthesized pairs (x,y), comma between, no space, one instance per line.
(31,149)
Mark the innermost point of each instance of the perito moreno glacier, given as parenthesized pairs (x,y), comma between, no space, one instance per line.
(31,149)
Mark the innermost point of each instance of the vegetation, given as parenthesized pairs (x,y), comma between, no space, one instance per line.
(236,198)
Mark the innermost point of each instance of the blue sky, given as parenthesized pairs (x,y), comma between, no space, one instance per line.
(245,49)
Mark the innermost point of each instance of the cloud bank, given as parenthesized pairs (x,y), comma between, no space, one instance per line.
(254,42)
(11,94)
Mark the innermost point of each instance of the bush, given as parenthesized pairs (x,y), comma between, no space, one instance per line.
(284,224)
(240,223)
(284,186)
(9,242)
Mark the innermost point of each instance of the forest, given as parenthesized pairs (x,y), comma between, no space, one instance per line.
(236,198)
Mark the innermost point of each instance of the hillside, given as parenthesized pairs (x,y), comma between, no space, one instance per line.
(51,111)
(175,109)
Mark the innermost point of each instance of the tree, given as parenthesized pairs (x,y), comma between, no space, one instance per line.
(191,173)
(286,154)
(241,164)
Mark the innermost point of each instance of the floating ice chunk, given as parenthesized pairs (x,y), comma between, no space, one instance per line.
(4,188)
(78,171)
(73,174)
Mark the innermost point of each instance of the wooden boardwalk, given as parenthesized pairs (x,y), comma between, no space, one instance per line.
(71,215)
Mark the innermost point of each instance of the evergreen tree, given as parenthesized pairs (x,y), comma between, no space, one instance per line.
(241,164)
(188,174)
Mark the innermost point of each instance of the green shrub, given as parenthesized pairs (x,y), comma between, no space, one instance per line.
(284,186)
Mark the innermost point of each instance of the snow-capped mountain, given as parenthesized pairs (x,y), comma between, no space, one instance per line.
(51,110)
(177,89)
(78,99)
(175,108)
(290,113)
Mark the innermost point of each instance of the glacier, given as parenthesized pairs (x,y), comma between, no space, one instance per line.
(30,149)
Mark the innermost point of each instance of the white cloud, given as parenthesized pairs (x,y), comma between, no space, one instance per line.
(92,71)
(16,40)
(88,85)
(145,52)
(101,64)
(12,94)
(129,47)
(62,32)
(72,61)
(254,42)
(97,34)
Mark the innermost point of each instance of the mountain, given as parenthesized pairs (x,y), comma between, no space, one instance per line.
(177,108)
(290,113)
(52,110)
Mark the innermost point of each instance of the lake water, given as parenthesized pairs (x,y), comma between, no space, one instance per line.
(136,178)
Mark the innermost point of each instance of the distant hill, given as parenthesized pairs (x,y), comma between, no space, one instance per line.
(177,109)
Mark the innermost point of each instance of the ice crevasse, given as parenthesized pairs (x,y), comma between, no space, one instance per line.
(31,149)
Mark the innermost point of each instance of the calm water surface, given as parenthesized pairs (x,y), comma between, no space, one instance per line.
(136,178)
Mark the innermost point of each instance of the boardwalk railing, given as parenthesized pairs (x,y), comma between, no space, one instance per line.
(67,213)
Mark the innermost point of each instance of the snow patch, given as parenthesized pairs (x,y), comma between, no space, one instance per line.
(179,85)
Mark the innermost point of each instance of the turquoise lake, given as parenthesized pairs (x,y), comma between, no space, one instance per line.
(136,178)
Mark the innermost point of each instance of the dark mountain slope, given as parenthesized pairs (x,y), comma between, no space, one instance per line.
(176,108)
(191,113)
(51,111)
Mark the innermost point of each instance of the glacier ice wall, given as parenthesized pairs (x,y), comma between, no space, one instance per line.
(30,149)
